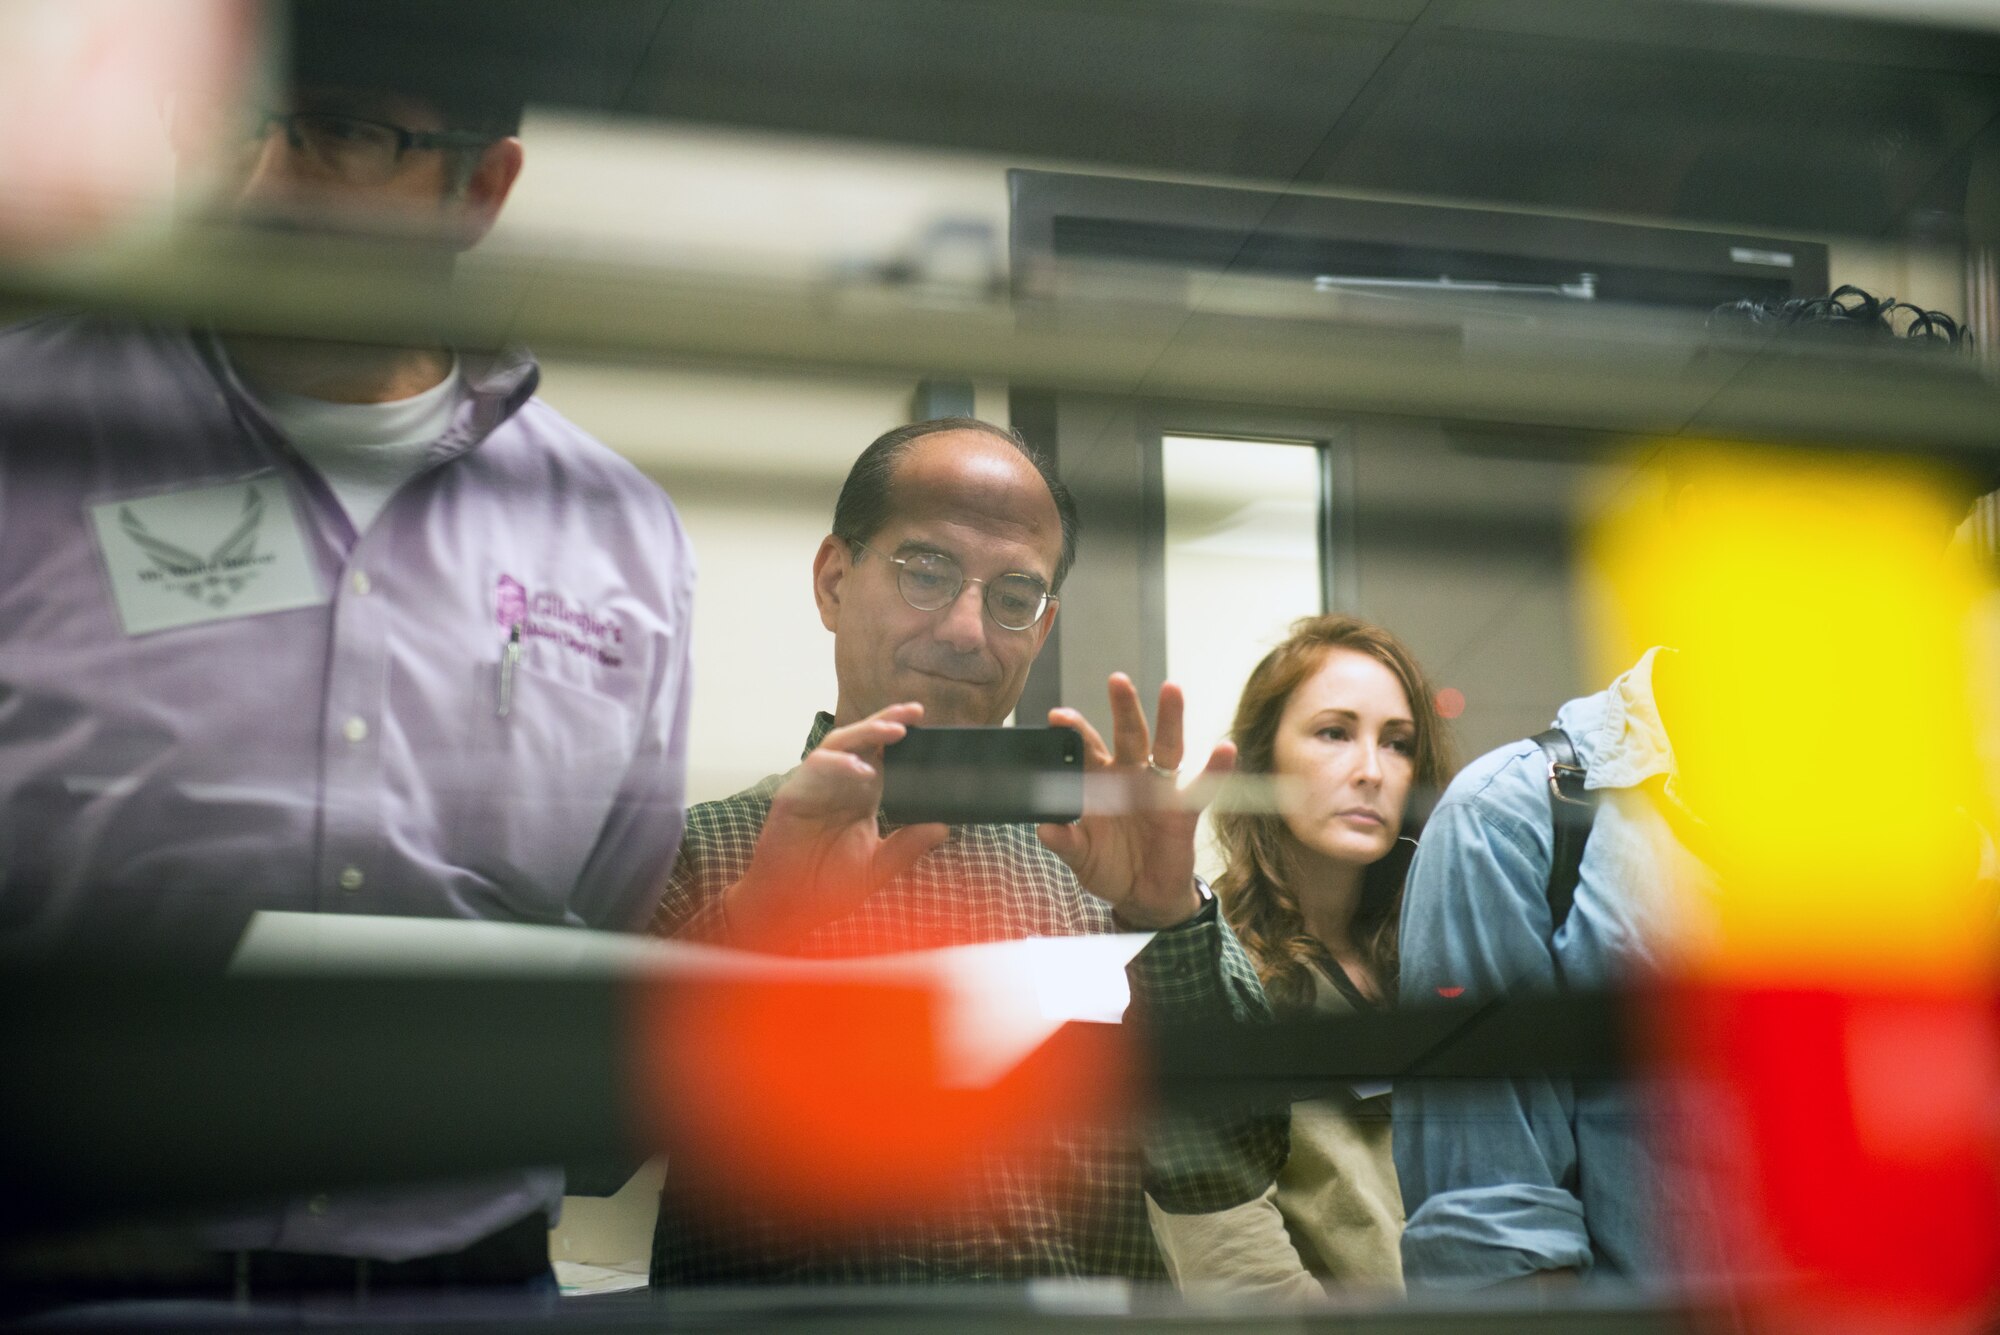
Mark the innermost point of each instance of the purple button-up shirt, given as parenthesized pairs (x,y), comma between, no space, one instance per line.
(349,756)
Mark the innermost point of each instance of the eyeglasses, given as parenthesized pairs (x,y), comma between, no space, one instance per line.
(931,580)
(353,148)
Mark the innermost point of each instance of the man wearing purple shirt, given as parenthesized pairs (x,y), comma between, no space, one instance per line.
(288,624)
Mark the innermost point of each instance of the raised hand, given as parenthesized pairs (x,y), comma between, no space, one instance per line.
(820,853)
(1134,847)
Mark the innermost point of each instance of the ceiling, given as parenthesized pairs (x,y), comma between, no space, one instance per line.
(1672,109)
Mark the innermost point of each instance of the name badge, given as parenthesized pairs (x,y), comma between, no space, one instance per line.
(208,553)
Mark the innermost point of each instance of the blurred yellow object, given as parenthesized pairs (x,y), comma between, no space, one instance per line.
(1822,710)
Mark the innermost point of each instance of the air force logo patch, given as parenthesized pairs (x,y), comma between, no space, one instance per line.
(204,554)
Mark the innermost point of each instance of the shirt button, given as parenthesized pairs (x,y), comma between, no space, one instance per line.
(350,878)
(360,583)
(318,1204)
(355,729)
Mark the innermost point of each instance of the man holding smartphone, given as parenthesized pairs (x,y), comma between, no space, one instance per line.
(939,582)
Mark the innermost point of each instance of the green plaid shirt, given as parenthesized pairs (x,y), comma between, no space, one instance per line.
(1086,1215)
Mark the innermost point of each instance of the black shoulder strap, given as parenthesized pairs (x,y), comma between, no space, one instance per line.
(1575,809)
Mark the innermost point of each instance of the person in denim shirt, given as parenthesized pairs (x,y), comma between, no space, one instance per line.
(1541,1175)
(1491,1171)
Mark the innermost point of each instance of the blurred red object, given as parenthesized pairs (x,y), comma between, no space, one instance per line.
(827,1101)
(1863,1126)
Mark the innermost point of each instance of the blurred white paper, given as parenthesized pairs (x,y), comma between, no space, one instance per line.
(579,1279)
(1006,998)
(1001,1000)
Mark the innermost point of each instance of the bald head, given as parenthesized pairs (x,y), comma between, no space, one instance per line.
(868,499)
(963,498)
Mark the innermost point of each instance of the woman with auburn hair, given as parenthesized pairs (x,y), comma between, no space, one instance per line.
(1341,716)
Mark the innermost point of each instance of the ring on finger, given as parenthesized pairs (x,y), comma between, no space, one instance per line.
(1155,767)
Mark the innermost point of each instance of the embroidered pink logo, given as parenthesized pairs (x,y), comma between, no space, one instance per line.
(510,601)
(546,615)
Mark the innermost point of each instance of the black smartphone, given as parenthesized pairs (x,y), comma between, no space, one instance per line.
(984,776)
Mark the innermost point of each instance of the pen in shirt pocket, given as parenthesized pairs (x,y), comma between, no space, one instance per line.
(509,656)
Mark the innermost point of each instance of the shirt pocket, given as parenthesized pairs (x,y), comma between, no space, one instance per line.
(541,781)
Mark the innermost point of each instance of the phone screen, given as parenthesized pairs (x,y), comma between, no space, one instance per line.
(984,776)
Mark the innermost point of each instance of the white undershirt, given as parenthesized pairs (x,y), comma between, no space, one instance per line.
(365,451)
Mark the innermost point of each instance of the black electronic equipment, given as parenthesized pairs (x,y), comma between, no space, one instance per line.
(984,776)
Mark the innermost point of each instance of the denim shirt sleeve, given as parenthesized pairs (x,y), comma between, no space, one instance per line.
(1488,1168)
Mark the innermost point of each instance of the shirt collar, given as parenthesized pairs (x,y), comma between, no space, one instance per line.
(822,725)
(496,386)
(1618,733)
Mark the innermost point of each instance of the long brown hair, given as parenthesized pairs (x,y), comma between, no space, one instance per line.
(1256,889)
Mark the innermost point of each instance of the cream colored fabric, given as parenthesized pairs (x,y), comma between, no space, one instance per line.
(1332,1220)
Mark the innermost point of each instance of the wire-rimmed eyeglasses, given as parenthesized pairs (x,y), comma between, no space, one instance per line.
(931,580)
(354,148)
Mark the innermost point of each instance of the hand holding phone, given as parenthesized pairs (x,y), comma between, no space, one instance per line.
(820,853)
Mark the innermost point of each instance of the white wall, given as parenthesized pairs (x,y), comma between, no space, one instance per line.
(782,206)
(1932,277)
